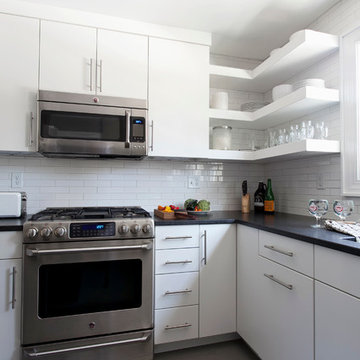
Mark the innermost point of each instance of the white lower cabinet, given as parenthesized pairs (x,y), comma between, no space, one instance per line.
(217,307)
(337,324)
(10,308)
(190,303)
(275,311)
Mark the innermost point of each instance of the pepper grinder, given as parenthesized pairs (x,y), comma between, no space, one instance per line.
(245,200)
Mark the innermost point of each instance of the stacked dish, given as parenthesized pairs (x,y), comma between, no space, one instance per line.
(252,106)
(281,90)
(320,83)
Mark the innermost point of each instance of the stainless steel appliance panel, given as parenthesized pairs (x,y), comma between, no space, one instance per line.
(130,346)
(65,324)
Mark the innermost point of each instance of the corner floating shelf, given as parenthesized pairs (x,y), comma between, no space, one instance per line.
(295,105)
(305,49)
(301,149)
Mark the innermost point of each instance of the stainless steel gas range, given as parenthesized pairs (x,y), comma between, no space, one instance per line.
(88,284)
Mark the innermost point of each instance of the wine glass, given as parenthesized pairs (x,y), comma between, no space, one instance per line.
(343,208)
(318,208)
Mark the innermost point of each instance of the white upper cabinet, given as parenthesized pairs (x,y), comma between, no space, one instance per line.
(67,58)
(179,98)
(122,64)
(19,61)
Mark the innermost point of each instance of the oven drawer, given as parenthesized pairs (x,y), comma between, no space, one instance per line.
(176,290)
(175,237)
(175,261)
(131,346)
(176,324)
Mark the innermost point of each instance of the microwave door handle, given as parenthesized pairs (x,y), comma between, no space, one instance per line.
(127,118)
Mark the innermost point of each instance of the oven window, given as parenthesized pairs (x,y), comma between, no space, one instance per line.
(80,288)
(73,125)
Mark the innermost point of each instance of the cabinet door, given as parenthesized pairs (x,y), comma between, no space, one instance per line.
(65,58)
(122,64)
(337,324)
(19,63)
(217,280)
(287,313)
(10,317)
(179,98)
(249,323)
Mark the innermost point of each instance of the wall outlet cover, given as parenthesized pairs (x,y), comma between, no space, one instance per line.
(17,180)
(194,182)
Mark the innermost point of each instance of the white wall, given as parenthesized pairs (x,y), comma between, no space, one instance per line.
(294,182)
(147,183)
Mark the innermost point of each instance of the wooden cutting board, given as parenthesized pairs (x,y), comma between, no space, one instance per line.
(164,215)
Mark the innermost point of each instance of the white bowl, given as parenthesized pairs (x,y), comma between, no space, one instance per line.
(296,35)
(320,83)
(273,52)
(281,90)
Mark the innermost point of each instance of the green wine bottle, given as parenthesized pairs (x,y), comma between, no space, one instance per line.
(269,203)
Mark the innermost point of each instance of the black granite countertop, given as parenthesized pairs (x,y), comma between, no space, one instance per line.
(294,226)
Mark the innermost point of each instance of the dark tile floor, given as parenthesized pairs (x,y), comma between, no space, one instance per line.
(230,350)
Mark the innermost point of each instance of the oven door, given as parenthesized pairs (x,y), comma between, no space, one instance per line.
(81,289)
(93,130)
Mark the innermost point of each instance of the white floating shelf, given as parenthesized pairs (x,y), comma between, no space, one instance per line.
(295,105)
(305,49)
(301,149)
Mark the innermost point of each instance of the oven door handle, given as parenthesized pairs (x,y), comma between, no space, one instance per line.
(41,353)
(33,252)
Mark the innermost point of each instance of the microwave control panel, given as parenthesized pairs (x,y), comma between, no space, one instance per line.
(137,132)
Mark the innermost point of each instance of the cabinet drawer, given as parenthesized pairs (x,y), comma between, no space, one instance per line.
(174,237)
(176,324)
(338,269)
(11,244)
(295,254)
(175,261)
(176,290)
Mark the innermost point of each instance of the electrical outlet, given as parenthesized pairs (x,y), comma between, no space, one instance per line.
(320,184)
(17,180)
(194,182)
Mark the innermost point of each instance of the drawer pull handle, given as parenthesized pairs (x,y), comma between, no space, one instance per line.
(178,237)
(186,291)
(273,248)
(271,277)
(170,327)
(168,262)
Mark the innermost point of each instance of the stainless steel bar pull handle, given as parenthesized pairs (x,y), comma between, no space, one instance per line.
(127,118)
(271,277)
(100,66)
(152,136)
(204,259)
(91,74)
(31,132)
(186,291)
(13,294)
(41,353)
(283,252)
(170,327)
(178,237)
(33,252)
(168,262)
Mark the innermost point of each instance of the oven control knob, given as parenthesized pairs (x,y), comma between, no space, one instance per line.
(32,232)
(45,232)
(123,229)
(60,231)
(146,228)
(135,228)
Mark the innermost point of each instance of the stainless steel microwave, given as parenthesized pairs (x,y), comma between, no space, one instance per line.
(80,125)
